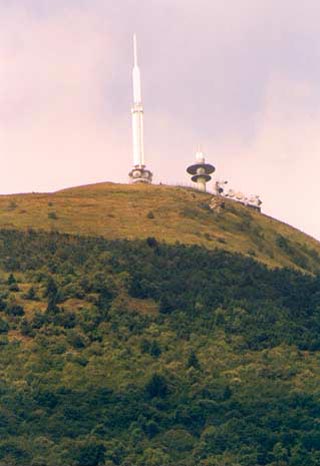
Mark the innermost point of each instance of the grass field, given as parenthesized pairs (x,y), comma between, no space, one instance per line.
(167,213)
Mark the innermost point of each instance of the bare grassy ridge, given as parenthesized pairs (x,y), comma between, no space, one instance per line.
(167,213)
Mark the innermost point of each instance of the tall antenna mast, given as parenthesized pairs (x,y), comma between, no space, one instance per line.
(138,174)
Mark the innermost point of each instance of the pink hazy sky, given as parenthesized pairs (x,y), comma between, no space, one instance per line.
(240,78)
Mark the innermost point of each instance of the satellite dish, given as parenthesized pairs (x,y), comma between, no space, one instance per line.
(219,187)
(257,201)
(231,193)
(239,196)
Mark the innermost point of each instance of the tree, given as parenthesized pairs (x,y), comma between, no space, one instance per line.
(151,428)
(11,280)
(193,360)
(91,453)
(280,454)
(152,242)
(166,305)
(51,288)
(31,294)
(155,457)
(155,349)
(157,386)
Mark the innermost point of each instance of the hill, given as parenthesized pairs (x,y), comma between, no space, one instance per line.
(193,341)
(169,214)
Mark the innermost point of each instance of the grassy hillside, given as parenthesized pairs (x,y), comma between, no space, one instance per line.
(169,214)
(140,328)
(123,353)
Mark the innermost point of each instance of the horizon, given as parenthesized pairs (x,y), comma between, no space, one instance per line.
(242,82)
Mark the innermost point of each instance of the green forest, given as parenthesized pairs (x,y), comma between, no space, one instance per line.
(125,353)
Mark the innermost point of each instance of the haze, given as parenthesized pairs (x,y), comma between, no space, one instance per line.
(240,78)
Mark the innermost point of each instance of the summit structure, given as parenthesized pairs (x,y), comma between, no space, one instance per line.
(139,173)
(200,171)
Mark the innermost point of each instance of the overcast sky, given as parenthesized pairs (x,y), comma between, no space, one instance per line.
(239,77)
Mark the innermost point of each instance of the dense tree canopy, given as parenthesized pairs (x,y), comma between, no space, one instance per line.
(140,353)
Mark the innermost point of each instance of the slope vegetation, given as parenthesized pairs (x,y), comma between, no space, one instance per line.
(145,354)
(140,328)
(167,213)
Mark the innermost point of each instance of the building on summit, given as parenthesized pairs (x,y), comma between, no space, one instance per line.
(201,171)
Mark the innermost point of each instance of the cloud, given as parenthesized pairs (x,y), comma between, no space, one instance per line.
(282,162)
(52,107)
(241,79)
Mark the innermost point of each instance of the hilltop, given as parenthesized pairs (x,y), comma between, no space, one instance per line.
(170,214)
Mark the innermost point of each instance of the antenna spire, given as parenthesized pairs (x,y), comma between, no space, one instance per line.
(139,174)
(135,54)
(136,73)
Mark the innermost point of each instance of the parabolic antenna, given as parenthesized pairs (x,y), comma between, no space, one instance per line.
(256,201)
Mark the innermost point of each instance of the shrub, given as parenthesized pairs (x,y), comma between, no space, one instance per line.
(66,319)
(4,326)
(38,320)
(52,215)
(12,205)
(31,294)
(14,287)
(26,328)
(152,242)
(76,340)
(14,310)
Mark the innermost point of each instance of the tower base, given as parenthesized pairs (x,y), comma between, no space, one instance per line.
(140,174)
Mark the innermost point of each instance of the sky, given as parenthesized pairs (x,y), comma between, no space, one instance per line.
(241,78)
